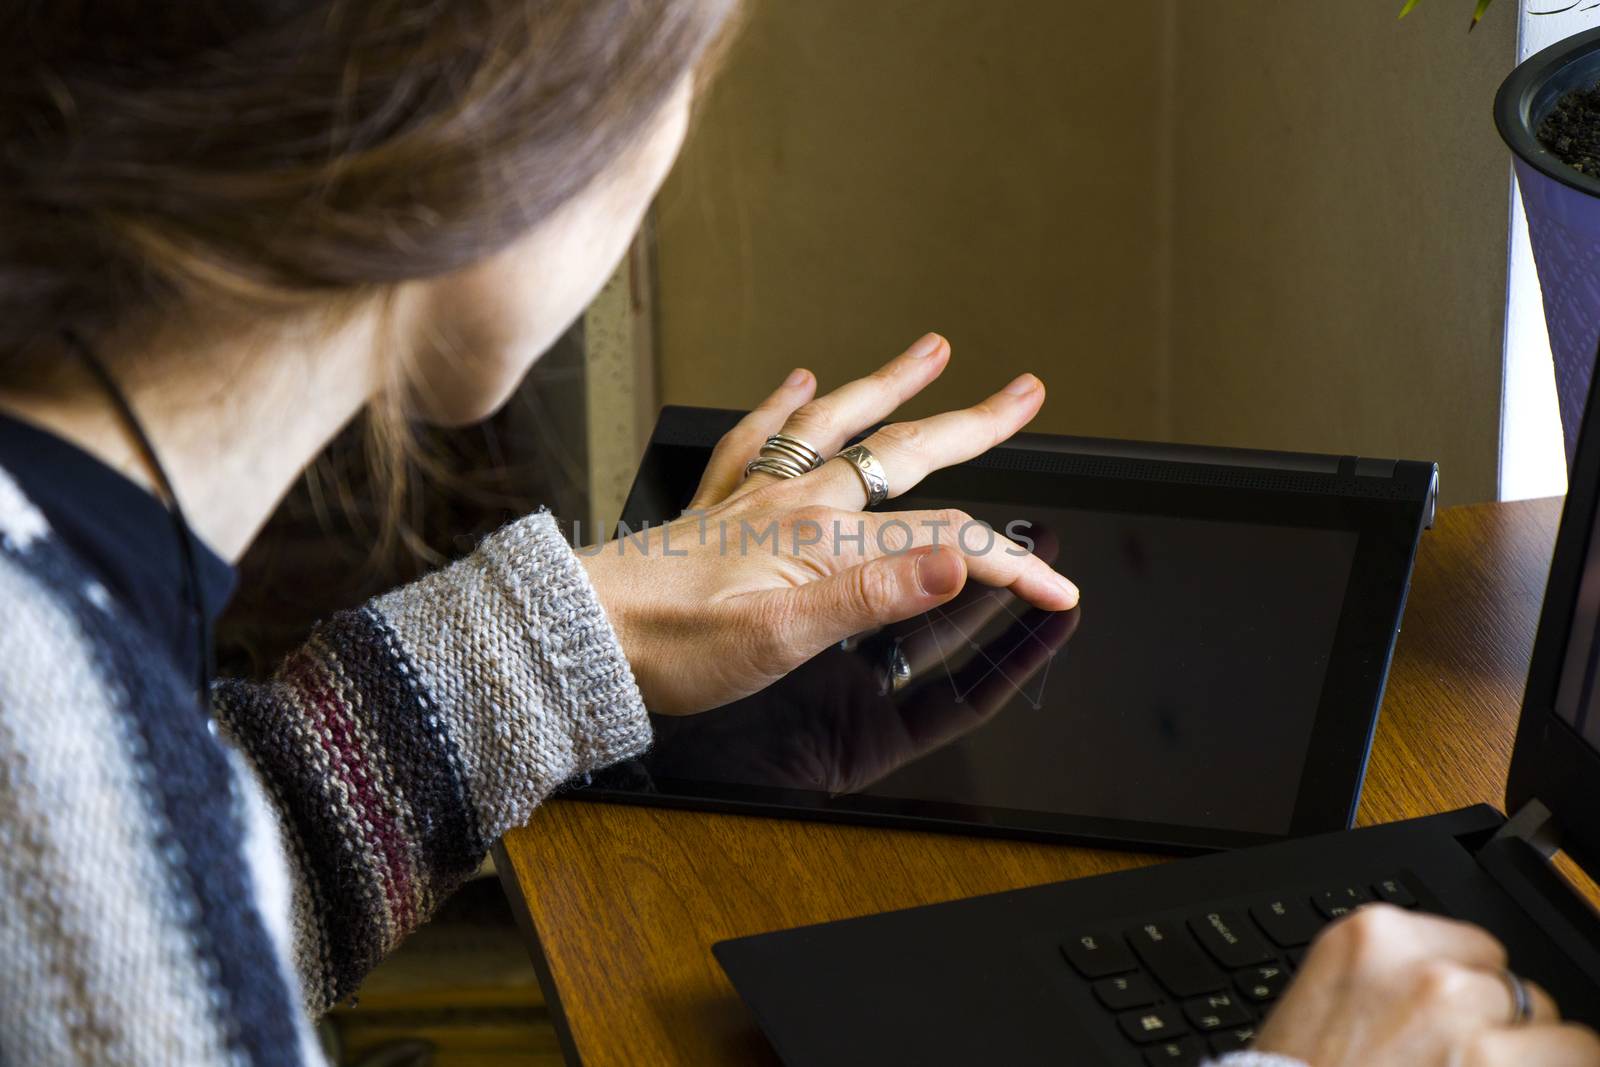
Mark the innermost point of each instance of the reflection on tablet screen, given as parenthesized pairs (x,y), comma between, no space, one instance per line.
(1184,690)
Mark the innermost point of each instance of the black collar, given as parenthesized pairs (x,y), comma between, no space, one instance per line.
(121,533)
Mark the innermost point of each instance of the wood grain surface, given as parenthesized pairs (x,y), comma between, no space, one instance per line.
(623,903)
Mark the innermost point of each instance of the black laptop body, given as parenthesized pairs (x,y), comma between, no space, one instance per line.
(1174,963)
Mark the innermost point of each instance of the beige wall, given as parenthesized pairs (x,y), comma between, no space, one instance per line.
(1186,235)
(868,170)
(1340,220)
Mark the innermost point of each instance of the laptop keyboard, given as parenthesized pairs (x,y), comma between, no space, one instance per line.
(1184,989)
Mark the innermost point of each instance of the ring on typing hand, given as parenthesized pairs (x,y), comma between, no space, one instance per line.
(1521,999)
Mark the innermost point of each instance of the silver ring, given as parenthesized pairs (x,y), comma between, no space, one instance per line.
(1521,999)
(783,468)
(873,477)
(808,457)
(780,451)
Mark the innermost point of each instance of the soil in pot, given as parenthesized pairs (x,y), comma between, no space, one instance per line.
(1572,130)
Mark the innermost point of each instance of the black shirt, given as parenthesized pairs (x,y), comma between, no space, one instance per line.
(124,535)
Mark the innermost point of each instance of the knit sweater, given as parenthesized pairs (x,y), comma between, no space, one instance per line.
(184,891)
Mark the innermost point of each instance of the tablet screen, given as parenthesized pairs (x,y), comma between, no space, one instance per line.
(1217,685)
(1185,691)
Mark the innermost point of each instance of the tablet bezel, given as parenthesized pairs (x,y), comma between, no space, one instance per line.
(1387,503)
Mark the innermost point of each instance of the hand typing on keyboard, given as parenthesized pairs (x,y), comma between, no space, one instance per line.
(1389,987)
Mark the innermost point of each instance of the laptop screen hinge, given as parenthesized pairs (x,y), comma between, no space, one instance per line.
(1534,825)
(1518,859)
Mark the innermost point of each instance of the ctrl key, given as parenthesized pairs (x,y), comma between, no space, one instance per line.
(1160,1023)
(1184,1052)
(1095,954)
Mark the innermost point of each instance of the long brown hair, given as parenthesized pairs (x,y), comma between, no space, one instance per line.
(271,152)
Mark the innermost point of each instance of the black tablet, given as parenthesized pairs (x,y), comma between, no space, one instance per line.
(1217,687)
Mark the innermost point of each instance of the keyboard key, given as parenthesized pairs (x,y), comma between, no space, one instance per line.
(1297,956)
(1176,961)
(1395,892)
(1152,1024)
(1288,920)
(1262,984)
(1232,1040)
(1230,939)
(1126,991)
(1184,1052)
(1096,954)
(1337,903)
(1218,1011)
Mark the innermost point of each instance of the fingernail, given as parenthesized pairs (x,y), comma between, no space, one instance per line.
(796,377)
(926,346)
(939,572)
(1067,587)
(1024,385)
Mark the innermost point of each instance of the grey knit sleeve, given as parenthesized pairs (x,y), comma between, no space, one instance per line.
(1254,1059)
(513,646)
(406,736)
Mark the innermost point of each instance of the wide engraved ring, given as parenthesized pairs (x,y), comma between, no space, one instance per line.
(874,479)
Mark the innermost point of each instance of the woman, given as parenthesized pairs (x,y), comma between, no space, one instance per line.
(224,231)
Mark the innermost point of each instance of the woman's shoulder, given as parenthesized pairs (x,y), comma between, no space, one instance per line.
(22,525)
(46,648)
(35,574)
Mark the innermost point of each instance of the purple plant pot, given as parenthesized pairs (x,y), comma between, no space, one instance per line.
(1563,209)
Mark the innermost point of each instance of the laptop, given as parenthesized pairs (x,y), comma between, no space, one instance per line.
(1174,963)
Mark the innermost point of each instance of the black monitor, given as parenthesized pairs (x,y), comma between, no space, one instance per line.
(1557,756)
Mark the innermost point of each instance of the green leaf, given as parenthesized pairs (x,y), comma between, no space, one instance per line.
(1477,13)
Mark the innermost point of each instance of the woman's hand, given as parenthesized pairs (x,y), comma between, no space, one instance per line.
(762,573)
(1389,987)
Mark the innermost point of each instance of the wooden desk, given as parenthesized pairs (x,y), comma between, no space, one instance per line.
(624,902)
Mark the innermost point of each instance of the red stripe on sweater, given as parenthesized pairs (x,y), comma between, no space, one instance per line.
(331,723)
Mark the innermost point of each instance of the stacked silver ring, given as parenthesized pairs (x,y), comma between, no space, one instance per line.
(794,448)
(786,457)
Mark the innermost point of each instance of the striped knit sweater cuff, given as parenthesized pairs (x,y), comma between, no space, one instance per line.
(513,646)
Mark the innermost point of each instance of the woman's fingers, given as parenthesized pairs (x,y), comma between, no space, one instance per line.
(1383,935)
(1421,989)
(827,422)
(1469,997)
(952,629)
(992,557)
(809,617)
(909,451)
(740,444)
(1567,1045)
(835,539)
